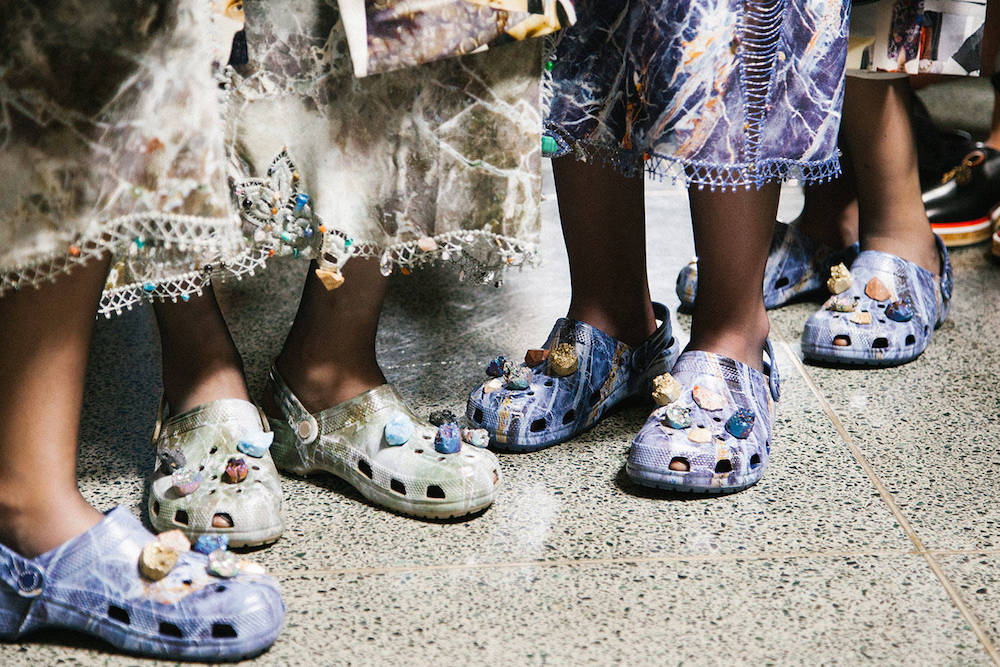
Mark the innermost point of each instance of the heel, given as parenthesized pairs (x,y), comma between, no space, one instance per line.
(285,451)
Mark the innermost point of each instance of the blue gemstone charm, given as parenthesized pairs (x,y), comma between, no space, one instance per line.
(740,424)
(300,202)
(255,444)
(900,311)
(495,367)
(677,416)
(448,439)
(206,544)
(398,430)
(518,377)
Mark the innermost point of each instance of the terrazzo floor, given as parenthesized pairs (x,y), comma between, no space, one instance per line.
(874,536)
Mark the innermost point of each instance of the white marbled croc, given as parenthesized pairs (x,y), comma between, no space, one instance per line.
(379,446)
(215,460)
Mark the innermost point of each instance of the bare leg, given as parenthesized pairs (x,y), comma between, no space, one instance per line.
(604,228)
(46,335)
(830,212)
(877,132)
(732,235)
(329,354)
(200,361)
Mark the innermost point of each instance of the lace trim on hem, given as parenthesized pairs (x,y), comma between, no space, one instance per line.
(128,234)
(700,173)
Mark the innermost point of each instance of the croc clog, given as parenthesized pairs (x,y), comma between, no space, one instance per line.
(719,428)
(195,448)
(545,406)
(92,584)
(379,446)
(887,315)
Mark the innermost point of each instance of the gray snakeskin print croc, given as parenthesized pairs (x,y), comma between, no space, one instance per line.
(886,315)
(718,426)
(379,446)
(215,460)
(797,267)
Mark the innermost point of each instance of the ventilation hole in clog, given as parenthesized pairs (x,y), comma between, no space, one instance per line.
(755,460)
(221,588)
(364,468)
(435,491)
(441,458)
(477,416)
(397,486)
(200,468)
(925,329)
(880,343)
(569,417)
(910,340)
(881,305)
(255,467)
(418,451)
(181,517)
(427,437)
(595,397)
(538,425)
(223,631)
(213,450)
(881,320)
(723,465)
(781,282)
(549,383)
(222,520)
(531,393)
(215,477)
(156,507)
(496,478)
(717,419)
(842,340)
(680,464)
(212,492)
(118,614)
(767,446)
(170,630)
(188,582)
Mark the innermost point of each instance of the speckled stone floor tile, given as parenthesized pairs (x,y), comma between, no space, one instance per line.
(931,427)
(844,610)
(574,564)
(977,578)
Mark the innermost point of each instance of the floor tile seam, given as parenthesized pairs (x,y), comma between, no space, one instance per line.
(597,562)
(890,501)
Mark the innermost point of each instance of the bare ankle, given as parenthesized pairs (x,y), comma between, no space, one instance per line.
(631,326)
(741,339)
(32,528)
(323,385)
(193,382)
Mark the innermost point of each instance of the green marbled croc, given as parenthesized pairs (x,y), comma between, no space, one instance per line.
(215,460)
(379,446)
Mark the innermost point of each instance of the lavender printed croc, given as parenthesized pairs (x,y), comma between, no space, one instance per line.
(568,385)
(92,584)
(797,265)
(717,425)
(883,314)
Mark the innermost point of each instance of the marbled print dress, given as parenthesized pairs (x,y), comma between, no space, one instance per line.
(439,161)
(714,92)
(112,141)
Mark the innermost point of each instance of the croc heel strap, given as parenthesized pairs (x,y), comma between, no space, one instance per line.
(719,428)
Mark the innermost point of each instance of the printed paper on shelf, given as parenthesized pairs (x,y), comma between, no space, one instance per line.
(386,35)
(917,36)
